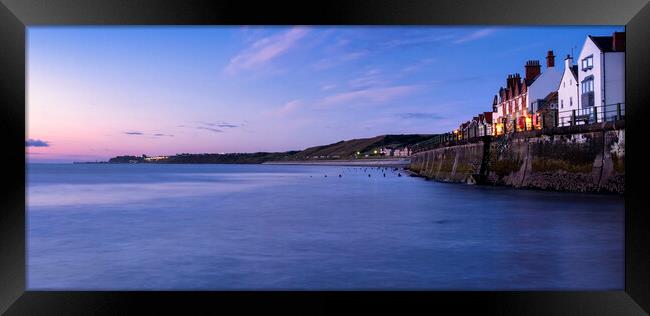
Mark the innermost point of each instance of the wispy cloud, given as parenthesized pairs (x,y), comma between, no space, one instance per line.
(420,116)
(369,95)
(288,108)
(338,59)
(264,50)
(328,87)
(417,66)
(36,143)
(475,35)
(221,124)
(162,135)
(369,78)
(134,133)
(216,130)
(418,40)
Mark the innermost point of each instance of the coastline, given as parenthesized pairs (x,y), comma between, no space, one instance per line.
(347,162)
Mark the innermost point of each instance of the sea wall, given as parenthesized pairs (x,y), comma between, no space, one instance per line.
(587,158)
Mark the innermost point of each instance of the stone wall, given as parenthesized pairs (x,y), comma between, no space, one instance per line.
(578,158)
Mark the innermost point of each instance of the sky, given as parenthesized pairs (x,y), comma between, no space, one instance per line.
(98,92)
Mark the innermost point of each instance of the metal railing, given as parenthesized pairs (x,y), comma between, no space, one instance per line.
(434,142)
(549,119)
(591,115)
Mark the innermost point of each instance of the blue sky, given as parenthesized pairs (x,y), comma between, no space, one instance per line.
(97,92)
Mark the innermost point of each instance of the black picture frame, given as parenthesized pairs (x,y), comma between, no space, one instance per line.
(16,15)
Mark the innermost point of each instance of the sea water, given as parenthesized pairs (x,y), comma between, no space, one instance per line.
(275,227)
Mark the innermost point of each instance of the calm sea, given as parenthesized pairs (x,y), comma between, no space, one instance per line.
(221,227)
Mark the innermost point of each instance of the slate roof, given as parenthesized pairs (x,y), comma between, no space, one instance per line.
(604,43)
(574,70)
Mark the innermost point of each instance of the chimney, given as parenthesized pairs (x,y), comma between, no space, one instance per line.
(550,59)
(533,69)
(568,61)
(618,40)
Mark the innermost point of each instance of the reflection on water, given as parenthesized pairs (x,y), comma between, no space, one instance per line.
(121,227)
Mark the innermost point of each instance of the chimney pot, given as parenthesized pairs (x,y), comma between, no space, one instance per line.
(618,41)
(568,62)
(550,59)
(532,69)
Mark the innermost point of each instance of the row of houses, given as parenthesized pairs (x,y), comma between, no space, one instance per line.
(589,90)
(395,152)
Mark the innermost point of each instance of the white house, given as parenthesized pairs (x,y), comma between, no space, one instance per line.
(485,124)
(567,93)
(386,151)
(601,74)
(402,152)
(545,83)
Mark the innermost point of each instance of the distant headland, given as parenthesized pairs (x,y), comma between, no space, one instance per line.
(378,150)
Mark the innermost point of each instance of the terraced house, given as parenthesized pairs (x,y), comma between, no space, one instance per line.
(515,104)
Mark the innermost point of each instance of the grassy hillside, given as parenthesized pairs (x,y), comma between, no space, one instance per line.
(341,150)
(347,149)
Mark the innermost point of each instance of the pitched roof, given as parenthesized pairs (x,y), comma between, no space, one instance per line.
(604,43)
(488,117)
(574,70)
(551,96)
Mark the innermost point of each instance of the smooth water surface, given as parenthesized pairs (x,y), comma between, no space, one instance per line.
(221,227)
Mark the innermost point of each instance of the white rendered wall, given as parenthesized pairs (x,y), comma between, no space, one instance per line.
(567,94)
(545,83)
(589,48)
(614,81)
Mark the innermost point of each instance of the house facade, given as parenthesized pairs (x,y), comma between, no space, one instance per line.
(485,124)
(546,114)
(601,75)
(567,93)
(509,106)
(402,152)
(515,104)
(547,82)
(386,151)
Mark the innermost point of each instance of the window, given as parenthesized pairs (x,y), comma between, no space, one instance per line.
(561,104)
(588,62)
(570,101)
(563,84)
(588,92)
(588,85)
